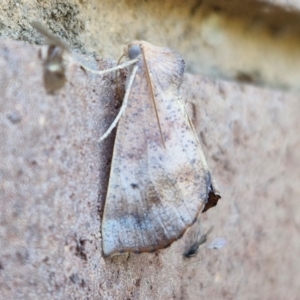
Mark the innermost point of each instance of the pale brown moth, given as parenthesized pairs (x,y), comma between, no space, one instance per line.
(53,60)
(159,179)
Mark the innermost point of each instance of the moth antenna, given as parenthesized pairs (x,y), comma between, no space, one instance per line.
(152,96)
(41,28)
(124,105)
(118,67)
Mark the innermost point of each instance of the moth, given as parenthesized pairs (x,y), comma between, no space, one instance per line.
(159,179)
(54,67)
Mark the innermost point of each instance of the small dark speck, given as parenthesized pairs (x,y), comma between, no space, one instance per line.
(46,259)
(82,284)
(14,117)
(33,162)
(244,77)
(134,186)
(74,278)
(80,249)
(138,282)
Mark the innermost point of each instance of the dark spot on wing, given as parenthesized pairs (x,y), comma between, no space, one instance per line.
(134,186)
(152,195)
(194,112)
(138,219)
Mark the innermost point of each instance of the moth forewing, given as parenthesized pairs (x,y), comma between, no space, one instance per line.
(156,187)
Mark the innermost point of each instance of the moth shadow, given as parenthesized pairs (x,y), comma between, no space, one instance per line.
(115,91)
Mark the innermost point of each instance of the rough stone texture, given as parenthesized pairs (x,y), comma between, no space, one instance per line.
(53,172)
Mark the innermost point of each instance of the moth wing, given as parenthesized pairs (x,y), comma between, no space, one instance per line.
(156,188)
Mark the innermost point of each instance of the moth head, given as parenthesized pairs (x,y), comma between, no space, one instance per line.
(133,50)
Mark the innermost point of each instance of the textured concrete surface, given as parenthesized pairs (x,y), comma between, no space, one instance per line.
(51,176)
(54,176)
(54,173)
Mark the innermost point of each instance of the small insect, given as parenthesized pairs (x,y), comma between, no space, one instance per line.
(196,241)
(159,179)
(54,67)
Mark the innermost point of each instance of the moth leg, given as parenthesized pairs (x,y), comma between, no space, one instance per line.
(124,104)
